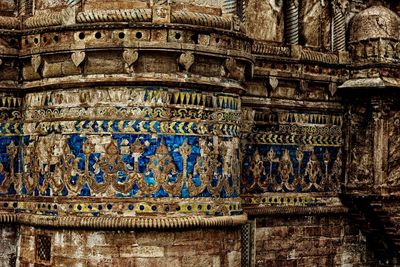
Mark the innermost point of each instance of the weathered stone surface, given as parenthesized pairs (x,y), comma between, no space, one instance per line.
(308,241)
(8,245)
(268,24)
(135,248)
(148,132)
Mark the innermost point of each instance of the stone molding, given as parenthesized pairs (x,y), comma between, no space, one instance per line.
(111,223)
(292,210)
(9,22)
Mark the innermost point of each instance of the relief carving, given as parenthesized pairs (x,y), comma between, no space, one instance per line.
(267,25)
(315,24)
(361,142)
(393,177)
(78,57)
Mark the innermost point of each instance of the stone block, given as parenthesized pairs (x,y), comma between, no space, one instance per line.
(201,261)
(233,259)
(156,262)
(141,251)
(181,250)
(155,238)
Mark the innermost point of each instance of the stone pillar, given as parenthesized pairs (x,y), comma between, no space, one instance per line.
(339,25)
(292,22)
(8,245)
(230,7)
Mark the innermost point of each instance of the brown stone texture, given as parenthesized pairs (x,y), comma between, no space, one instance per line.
(188,248)
(7,5)
(211,3)
(266,25)
(131,129)
(8,245)
(315,24)
(308,241)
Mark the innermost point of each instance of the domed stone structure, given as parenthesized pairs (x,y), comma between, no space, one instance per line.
(374,22)
(374,36)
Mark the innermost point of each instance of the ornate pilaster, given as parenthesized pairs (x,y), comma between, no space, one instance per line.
(381,111)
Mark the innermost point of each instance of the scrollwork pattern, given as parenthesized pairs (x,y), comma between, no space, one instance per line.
(290,169)
(139,166)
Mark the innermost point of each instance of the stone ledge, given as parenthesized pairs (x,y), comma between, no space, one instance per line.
(109,223)
(9,22)
(293,210)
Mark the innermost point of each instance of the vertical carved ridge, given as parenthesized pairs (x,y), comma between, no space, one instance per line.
(229,7)
(25,8)
(292,22)
(72,3)
(339,31)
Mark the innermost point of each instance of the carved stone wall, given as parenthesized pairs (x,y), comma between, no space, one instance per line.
(135,248)
(315,24)
(199,133)
(267,25)
(8,244)
(314,241)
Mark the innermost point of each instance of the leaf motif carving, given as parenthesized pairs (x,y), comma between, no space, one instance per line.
(186,60)
(78,57)
(130,56)
(36,62)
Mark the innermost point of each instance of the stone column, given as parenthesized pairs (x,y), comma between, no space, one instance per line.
(229,7)
(292,22)
(25,7)
(339,25)
(381,109)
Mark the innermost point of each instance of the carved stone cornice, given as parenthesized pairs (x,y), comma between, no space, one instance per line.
(9,23)
(117,223)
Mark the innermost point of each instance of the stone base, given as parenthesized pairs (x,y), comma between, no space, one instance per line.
(321,240)
(8,245)
(209,247)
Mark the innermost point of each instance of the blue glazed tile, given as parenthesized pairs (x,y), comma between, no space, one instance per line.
(161,193)
(197,180)
(64,192)
(223,193)
(11,190)
(85,191)
(104,125)
(185,192)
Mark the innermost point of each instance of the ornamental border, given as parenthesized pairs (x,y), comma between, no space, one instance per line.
(295,210)
(111,223)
